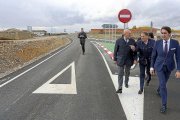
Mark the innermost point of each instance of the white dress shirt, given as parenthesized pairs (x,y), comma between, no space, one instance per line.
(168,44)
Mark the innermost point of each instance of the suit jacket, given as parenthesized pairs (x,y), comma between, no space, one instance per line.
(158,58)
(123,53)
(82,36)
(144,51)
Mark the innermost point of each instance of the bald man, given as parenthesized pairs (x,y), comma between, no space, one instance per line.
(124,55)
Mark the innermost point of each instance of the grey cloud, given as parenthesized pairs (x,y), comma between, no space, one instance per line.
(22,13)
(111,19)
(65,17)
(164,12)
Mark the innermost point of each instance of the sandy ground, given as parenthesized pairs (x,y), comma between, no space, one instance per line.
(19,53)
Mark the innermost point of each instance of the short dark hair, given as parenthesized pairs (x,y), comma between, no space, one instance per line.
(145,33)
(168,29)
(151,35)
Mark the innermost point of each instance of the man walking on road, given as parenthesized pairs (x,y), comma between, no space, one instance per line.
(82,36)
(124,55)
(144,49)
(162,61)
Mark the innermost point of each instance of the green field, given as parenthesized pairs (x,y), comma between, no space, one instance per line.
(109,46)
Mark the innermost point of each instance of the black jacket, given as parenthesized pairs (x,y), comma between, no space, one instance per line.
(123,53)
(144,51)
(82,36)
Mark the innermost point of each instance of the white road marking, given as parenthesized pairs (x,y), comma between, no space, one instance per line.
(132,103)
(32,68)
(109,52)
(48,88)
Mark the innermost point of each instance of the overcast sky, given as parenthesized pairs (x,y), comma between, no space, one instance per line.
(57,15)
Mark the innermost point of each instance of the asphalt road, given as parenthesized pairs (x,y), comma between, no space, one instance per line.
(66,85)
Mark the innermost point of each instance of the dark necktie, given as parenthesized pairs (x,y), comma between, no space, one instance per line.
(166,48)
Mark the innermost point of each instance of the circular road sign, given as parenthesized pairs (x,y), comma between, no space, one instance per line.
(124,15)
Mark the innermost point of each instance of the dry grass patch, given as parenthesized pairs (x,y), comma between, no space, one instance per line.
(15,54)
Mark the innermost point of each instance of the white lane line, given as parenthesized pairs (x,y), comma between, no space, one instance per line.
(48,88)
(132,103)
(32,67)
(109,52)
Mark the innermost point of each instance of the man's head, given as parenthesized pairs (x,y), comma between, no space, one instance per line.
(82,29)
(144,36)
(165,32)
(127,33)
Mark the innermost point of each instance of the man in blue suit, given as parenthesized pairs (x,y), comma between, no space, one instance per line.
(124,55)
(144,49)
(162,61)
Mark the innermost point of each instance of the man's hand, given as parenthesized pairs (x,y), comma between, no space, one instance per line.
(135,62)
(152,72)
(177,74)
(132,47)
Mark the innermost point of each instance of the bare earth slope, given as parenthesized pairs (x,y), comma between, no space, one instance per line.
(18,53)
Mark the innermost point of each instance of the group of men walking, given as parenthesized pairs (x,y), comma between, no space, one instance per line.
(153,56)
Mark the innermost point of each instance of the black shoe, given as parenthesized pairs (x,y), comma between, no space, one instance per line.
(147,83)
(163,109)
(126,85)
(119,91)
(140,91)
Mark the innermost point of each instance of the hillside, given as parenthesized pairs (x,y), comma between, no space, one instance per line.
(18,53)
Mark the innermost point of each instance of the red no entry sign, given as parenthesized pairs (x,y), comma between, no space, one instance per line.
(124,15)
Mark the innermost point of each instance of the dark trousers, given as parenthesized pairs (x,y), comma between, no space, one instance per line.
(83,47)
(163,77)
(121,70)
(82,42)
(144,68)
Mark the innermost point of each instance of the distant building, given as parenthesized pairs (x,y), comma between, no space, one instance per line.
(39,32)
(120,31)
(135,31)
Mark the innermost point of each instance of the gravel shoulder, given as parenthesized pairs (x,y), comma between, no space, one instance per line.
(15,54)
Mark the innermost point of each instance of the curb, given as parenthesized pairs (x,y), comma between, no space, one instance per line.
(111,54)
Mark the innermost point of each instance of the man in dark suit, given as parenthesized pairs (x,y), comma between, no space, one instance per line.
(124,55)
(82,36)
(144,49)
(163,62)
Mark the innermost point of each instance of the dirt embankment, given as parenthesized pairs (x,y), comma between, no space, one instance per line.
(18,53)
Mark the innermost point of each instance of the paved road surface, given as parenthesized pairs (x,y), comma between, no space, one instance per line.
(67,85)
